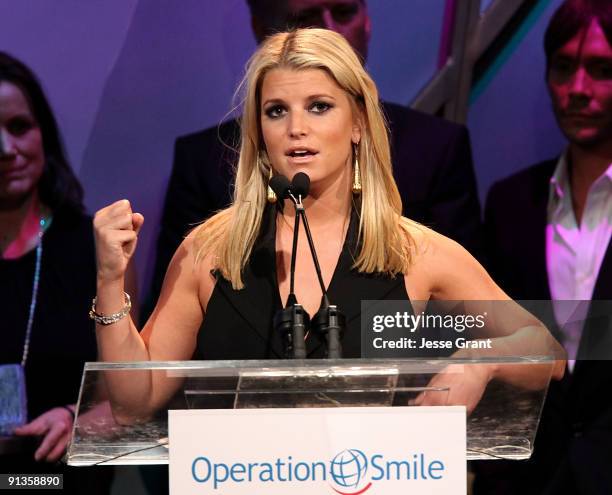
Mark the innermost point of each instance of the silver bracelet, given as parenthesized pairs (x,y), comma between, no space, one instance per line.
(110,319)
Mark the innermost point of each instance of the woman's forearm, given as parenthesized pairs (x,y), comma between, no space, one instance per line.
(119,341)
(529,342)
(129,391)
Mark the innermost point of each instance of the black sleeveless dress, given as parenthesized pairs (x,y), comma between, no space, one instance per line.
(238,323)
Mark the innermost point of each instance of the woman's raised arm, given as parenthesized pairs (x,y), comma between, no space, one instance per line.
(170,334)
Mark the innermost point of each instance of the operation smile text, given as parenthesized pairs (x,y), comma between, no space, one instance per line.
(415,467)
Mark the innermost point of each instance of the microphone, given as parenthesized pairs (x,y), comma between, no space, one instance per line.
(329,322)
(300,185)
(280,185)
(292,320)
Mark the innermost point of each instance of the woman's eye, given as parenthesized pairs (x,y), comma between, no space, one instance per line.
(274,111)
(18,127)
(320,107)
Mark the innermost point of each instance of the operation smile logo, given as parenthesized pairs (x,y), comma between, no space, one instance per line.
(348,469)
(350,472)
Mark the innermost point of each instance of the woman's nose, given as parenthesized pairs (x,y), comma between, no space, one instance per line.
(297,126)
(7,147)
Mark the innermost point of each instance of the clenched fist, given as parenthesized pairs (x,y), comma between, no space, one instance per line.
(116,230)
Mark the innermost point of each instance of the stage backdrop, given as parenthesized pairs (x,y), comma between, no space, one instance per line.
(126,77)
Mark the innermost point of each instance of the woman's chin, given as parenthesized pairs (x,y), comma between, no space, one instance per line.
(14,197)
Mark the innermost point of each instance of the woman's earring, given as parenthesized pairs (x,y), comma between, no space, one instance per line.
(356,171)
(271,194)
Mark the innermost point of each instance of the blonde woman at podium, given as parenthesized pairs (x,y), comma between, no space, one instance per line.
(309,106)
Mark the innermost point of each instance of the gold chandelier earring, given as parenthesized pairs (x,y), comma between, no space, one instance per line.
(356,172)
(261,165)
(271,195)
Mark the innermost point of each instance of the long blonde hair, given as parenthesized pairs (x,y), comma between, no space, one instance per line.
(385,244)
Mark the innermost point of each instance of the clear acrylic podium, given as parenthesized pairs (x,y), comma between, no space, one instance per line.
(502,426)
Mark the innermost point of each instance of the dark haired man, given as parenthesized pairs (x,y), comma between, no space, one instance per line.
(432,158)
(548,232)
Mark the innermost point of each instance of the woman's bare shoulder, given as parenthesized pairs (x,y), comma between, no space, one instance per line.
(431,247)
(200,265)
(423,245)
(446,269)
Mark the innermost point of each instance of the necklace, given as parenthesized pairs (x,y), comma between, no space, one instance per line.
(39,250)
(12,376)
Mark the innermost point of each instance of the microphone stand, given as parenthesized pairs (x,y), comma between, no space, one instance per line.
(293,319)
(329,322)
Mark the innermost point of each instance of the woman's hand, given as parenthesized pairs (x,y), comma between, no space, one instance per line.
(56,427)
(116,230)
(466,384)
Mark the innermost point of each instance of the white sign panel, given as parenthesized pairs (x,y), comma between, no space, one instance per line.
(346,451)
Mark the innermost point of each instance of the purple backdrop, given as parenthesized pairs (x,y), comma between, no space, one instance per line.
(126,77)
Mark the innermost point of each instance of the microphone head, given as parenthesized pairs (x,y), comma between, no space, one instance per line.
(300,185)
(280,185)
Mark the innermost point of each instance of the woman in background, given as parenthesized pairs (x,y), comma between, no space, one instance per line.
(47,273)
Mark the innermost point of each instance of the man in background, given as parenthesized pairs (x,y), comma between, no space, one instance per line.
(432,158)
(548,233)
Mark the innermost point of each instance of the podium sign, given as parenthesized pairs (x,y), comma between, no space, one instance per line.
(346,451)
